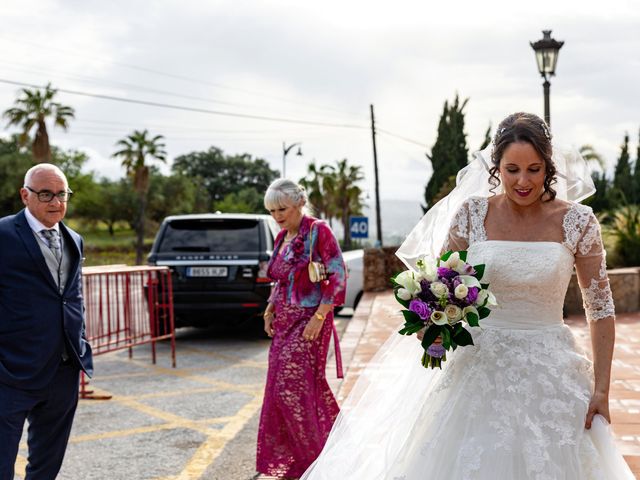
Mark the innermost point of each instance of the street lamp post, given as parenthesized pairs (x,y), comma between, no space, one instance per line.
(547,50)
(286,149)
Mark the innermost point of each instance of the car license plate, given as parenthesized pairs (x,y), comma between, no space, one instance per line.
(206,271)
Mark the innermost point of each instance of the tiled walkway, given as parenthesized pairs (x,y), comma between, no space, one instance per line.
(378,315)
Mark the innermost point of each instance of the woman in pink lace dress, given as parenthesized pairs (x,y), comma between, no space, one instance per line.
(299,408)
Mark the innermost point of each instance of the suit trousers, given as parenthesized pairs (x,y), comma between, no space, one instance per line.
(49,412)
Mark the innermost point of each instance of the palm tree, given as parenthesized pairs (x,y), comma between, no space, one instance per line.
(591,156)
(347,194)
(33,109)
(134,150)
(319,184)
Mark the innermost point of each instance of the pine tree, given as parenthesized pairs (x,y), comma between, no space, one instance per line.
(449,154)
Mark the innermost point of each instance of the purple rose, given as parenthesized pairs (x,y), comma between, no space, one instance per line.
(472,295)
(444,272)
(436,350)
(420,308)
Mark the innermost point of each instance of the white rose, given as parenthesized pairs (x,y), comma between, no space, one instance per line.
(461,291)
(439,289)
(439,318)
(404,294)
(408,281)
(453,313)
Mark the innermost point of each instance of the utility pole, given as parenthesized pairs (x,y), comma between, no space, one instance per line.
(375,170)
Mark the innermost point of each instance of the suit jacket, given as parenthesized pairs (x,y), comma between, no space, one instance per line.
(37,322)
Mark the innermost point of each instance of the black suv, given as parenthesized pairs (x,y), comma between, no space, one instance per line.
(218,264)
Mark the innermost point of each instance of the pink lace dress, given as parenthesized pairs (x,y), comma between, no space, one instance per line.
(299,408)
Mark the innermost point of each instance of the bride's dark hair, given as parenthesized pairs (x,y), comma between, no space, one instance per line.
(524,127)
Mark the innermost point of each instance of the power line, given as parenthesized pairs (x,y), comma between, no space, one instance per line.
(303,130)
(41,47)
(222,113)
(24,68)
(192,109)
(406,139)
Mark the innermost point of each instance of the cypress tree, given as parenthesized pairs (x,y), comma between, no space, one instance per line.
(487,138)
(449,153)
(622,181)
(636,175)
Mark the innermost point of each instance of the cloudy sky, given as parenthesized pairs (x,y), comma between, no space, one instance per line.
(318,66)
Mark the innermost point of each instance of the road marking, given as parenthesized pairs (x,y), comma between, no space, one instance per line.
(218,431)
(208,451)
(250,389)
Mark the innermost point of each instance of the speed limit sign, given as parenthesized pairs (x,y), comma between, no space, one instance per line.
(359,227)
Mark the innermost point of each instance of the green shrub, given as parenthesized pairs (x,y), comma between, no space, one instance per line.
(624,230)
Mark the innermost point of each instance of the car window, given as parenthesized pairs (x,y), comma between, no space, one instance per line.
(273,226)
(211,236)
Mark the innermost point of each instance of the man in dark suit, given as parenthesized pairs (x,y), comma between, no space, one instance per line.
(42,338)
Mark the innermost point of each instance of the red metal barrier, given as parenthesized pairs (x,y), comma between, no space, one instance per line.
(126,307)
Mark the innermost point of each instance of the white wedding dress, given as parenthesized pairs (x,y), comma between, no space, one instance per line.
(510,407)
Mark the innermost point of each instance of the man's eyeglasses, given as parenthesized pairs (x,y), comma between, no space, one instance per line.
(45,196)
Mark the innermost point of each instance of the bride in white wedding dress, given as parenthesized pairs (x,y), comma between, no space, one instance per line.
(523,402)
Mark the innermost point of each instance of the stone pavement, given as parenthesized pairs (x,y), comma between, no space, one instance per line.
(378,315)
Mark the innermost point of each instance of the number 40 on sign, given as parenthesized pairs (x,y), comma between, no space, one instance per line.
(359,227)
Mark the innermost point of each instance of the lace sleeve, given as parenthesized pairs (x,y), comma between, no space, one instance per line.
(591,268)
(458,236)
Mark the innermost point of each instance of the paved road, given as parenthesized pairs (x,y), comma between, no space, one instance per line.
(198,421)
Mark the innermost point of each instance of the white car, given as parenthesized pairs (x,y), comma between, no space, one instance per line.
(353,260)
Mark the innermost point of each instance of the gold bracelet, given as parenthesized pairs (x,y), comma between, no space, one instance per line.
(267,315)
(320,316)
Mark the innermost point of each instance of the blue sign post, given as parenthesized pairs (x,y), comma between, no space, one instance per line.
(359,227)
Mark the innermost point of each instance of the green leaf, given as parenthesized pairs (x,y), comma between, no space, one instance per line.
(484,286)
(411,328)
(479,270)
(411,317)
(484,312)
(472,320)
(463,255)
(446,336)
(430,335)
(463,338)
(412,323)
(445,256)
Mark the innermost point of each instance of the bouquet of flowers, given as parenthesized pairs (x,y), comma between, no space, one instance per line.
(440,296)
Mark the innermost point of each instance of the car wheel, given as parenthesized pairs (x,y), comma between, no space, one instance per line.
(357,300)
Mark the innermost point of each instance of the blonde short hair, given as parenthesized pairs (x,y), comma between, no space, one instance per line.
(285,193)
